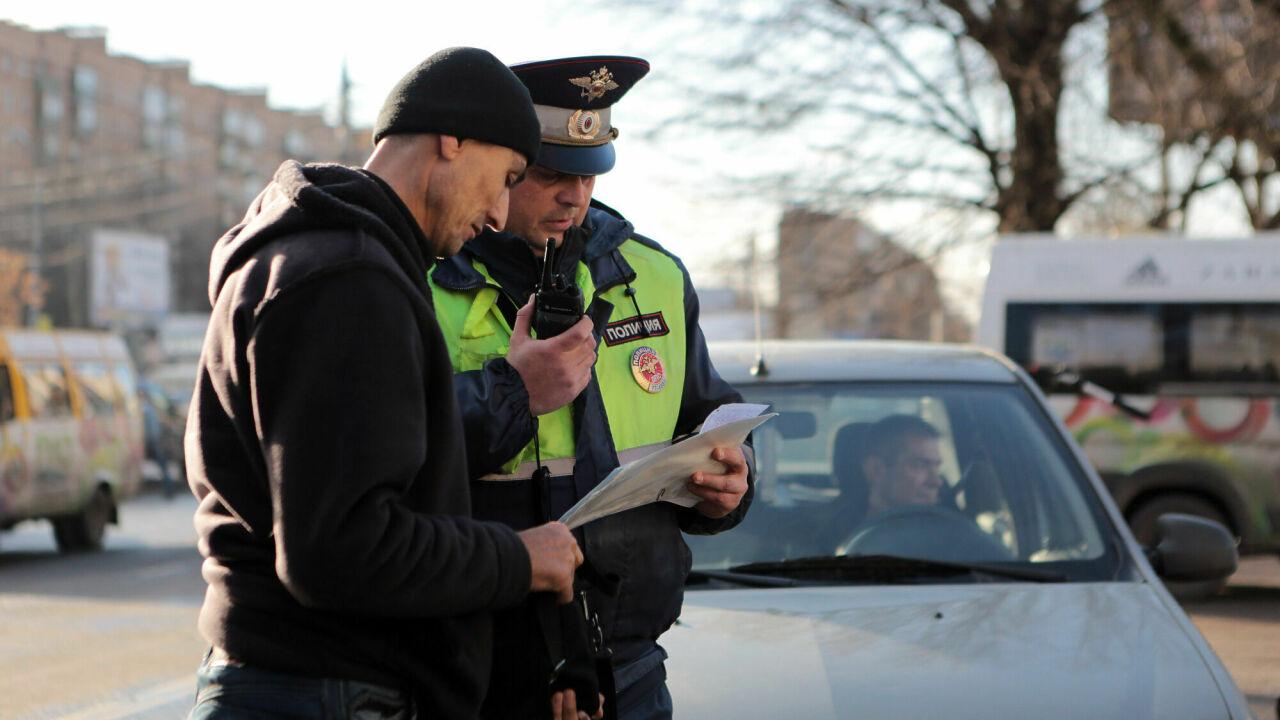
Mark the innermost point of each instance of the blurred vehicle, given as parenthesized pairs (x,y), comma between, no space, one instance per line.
(177,380)
(1187,335)
(180,337)
(165,423)
(72,432)
(1012,588)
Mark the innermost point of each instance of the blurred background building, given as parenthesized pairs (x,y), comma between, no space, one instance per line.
(836,278)
(117,176)
(830,277)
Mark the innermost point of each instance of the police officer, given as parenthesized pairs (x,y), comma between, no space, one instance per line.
(537,444)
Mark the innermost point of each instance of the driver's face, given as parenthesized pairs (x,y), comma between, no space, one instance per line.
(913,477)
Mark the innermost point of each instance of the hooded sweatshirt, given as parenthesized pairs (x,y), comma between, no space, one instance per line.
(326,449)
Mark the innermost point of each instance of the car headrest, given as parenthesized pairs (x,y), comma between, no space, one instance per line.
(848,451)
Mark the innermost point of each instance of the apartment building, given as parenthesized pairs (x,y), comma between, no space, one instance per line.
(90,140)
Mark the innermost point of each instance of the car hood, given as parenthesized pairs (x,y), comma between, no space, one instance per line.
(1105,650)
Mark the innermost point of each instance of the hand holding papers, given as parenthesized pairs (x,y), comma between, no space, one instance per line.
(662,475)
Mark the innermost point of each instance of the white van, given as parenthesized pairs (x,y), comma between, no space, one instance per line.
(71,435)
(1188,333)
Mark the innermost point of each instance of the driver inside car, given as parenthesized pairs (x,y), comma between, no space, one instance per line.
(902,463)
(898,503)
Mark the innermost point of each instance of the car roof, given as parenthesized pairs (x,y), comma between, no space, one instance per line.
(859,361)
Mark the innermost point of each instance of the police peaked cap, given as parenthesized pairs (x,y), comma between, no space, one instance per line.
(572,97)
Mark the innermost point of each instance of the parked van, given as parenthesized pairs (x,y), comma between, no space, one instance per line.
(1188,334)
(71,433)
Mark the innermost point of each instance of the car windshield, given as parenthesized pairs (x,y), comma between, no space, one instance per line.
(912,482)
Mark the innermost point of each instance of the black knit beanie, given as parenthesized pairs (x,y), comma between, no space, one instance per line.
(467,93)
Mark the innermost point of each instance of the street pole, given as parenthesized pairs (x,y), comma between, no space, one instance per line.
(37,240)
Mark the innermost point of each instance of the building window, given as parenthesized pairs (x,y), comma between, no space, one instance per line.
(52,108)
(49,115)
(232,121)
(296,145)
(154,112)
(229,148)
(227,154)
(254,132)
(175,133)
(84,86)
(177,140)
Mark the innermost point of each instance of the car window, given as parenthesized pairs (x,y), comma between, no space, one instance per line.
(948,472)
(47,392)
(7,408)
(96,388)
(128,388)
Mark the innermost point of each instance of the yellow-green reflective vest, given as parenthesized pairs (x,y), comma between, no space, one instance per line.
(476,331)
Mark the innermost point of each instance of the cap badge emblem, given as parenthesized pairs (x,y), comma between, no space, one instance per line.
(596,84)
(648,369)
(584,124)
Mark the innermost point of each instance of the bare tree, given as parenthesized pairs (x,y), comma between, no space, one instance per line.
(953,102)
(1208,74)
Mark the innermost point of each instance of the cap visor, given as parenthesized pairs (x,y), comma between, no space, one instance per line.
(577,160)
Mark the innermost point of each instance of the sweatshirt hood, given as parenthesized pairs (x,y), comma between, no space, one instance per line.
(325,196)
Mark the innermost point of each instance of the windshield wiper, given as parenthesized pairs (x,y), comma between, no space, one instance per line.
(740,578)
(889,569)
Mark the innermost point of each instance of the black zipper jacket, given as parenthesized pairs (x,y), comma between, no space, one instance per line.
(326,449)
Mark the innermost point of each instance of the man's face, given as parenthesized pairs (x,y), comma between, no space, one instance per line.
(911,477)
(473,193)
(547,203)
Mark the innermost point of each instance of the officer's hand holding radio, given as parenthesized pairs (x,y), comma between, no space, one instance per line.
(554,370)
(556,366)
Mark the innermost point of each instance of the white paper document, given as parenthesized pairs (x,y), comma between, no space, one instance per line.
(663,475)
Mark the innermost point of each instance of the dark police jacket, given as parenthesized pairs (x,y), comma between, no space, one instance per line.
(324,444)
(642,548)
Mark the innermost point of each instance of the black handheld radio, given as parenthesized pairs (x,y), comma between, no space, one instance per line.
(558,302)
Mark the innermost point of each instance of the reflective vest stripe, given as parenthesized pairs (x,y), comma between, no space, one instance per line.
(557,466)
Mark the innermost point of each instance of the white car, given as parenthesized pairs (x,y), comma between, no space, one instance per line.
(1010,588)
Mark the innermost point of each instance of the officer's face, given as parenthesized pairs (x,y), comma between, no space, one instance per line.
(546,204)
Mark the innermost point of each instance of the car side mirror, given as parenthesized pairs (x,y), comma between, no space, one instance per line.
(1189,548)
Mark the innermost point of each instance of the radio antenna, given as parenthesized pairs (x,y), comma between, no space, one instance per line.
(548,263)
(759,369)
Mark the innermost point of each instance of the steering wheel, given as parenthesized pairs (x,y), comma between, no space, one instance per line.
(932,532)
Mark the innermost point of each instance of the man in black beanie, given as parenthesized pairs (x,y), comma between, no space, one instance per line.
(345,575)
